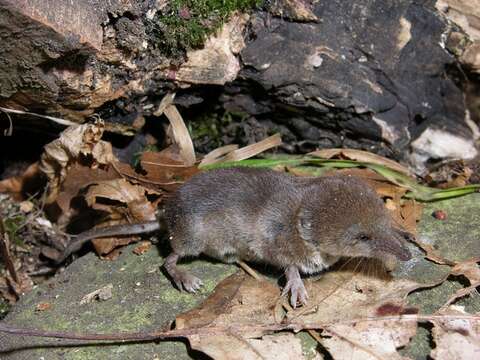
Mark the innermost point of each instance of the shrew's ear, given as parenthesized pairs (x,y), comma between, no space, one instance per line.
(304,225)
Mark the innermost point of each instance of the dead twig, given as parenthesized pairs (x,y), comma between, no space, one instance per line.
(249,270)
(5,252)
(52,118)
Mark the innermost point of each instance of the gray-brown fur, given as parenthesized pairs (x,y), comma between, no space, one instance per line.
(296,224)
(275,218)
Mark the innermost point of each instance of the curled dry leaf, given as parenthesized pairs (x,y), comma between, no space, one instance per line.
(74,142)
(216,155)
(106,246)
(132,201)
(247,151)
(133,206)
(408,215)
(469,268)
(456,338)
(178,130)
(362,156)
(180,134)
(433,254)
(77,178)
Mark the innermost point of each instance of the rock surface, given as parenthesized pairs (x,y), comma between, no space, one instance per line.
(366,74)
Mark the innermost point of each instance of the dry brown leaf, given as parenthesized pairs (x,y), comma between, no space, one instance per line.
(151,186)
(469,269)
(338,296)
(163,168)
(77,178)
(180,134)
(132,201)
(16,184)
(133,206)
(113,254)
(362,156)
(216,155)
(74,142)
(238,300)
(455,338)
(336,299)
(253,149)
(411,213)
(226,346)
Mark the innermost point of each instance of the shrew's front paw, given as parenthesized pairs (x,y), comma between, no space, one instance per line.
(294,285)
(190,283)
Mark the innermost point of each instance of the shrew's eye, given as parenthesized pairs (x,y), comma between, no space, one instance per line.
(363,237)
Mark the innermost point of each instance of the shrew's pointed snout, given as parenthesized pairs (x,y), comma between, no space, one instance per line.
(395,246)
(403,253)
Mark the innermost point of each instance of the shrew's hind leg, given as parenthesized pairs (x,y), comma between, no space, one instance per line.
(182,279)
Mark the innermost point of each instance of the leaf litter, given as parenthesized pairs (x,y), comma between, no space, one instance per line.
(361,315)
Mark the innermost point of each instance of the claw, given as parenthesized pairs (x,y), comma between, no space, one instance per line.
(295,286)
(181,279)
(191,283)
